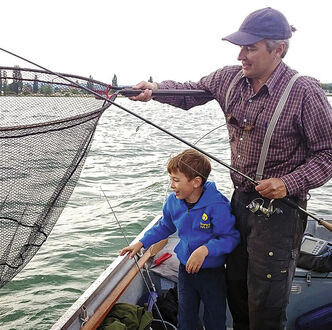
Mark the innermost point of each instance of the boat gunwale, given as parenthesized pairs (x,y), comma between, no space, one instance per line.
(95,294)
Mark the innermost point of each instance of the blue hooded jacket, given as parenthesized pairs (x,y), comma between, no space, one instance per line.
(210,223)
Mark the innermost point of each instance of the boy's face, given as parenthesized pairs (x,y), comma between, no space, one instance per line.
(183,188)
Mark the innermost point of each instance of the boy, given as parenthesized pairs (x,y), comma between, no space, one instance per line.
(202,217)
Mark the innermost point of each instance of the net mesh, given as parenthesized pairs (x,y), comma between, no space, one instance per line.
(47,126)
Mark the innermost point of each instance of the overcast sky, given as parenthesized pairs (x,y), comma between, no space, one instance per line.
(173,39)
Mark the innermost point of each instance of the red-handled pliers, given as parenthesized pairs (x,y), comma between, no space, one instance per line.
(161,259)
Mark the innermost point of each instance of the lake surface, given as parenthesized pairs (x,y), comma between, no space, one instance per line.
(128,161)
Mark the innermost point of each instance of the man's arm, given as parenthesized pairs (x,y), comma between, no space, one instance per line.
(317,135)
(315,127)
(215,83)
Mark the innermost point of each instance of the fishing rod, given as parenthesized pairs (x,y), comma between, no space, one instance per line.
(285,200)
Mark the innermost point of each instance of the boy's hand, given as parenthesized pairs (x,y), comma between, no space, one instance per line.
(196,259)
(133,249)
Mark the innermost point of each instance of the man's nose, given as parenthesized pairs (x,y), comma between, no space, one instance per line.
(243,53)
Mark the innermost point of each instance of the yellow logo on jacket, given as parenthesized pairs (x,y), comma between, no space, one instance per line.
(202,224)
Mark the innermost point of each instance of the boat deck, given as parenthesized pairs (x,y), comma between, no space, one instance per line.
(119,283)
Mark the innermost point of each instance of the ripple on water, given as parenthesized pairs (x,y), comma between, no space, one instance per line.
(130,166)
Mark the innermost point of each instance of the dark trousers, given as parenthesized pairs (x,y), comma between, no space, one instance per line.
(260,270)
(207,285)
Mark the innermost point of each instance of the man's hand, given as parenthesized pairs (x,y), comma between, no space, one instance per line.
(132,249)
(196,259)
(147,94)
(272,188)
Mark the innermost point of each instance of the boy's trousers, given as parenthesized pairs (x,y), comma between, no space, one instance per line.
(208,285)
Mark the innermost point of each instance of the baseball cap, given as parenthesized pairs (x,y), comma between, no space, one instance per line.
(266,23)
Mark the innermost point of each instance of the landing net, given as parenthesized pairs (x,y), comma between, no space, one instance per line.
(46,129)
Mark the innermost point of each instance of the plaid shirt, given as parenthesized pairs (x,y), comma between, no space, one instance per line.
(300,151)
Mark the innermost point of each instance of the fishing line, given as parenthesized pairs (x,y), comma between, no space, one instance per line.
(284,200)
(116,218)
(201,138)
(205,135)
(136,263)
(139,126)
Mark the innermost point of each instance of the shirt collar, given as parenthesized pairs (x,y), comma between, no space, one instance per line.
(272,83)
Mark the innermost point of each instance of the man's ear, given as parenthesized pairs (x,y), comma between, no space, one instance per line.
(197,181)
(280,49)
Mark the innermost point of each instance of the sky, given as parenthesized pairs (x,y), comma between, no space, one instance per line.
(173,39)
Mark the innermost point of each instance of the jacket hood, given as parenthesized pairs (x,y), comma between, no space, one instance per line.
(211,195)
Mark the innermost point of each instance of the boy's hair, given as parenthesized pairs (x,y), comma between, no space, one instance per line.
(191,163)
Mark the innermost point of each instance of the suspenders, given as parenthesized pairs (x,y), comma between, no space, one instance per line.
(272,124)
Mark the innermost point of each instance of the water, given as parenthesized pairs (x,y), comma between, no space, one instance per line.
(128,160)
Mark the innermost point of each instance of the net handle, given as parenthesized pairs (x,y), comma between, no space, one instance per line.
(124,90)
(128,92)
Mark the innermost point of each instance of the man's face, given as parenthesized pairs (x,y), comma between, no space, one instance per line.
(257,61)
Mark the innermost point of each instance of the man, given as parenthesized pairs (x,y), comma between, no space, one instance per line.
(298,158)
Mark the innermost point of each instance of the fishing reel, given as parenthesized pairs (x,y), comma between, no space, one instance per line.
(257,207)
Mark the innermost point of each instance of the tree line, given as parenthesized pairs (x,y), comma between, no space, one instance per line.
(33,85)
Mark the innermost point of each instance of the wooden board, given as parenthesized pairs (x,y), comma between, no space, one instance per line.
(95,320)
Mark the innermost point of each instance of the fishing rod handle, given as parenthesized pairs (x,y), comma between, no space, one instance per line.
(322,222)
(326,224)
(128,92)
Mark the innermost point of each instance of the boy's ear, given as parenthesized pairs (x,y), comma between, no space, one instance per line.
(197,181)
